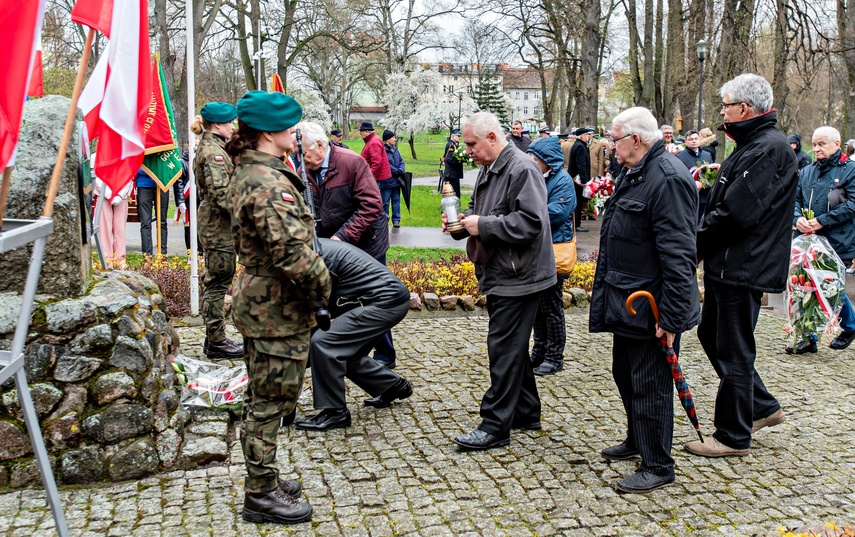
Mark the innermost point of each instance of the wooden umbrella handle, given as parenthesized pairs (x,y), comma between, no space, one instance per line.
(645,294)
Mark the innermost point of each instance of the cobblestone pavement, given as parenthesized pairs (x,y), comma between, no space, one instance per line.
(396,471)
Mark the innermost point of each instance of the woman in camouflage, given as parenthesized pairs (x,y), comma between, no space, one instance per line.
(274,300)
(213,169)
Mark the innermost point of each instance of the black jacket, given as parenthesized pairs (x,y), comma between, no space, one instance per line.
(358,279)
(453,167)
(691,158)
(744,237)
(647,242)
(580,162)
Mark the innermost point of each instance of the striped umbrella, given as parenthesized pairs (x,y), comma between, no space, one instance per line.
(676,371)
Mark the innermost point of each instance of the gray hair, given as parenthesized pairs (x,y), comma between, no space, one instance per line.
(832,134)
(483,123)
(517,122)
(640,121)
(312,134)
(751,89)
(669,127)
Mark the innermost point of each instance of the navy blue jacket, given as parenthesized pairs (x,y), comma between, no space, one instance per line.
(816,182)
(560,194)
(396,162)
(691,159)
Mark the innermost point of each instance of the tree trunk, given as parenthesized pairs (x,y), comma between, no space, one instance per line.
(412,142)
(782,56)
(634,73)
(846,50)
(659,109)
(590,61)
(649,83)
(675,82)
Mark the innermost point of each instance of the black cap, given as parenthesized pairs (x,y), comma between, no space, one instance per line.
(366,126)
(336,132)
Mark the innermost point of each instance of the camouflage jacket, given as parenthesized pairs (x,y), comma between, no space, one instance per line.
(212,168)
(284,280)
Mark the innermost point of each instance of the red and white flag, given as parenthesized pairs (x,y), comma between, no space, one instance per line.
(37,86)
(116,99)
(20,23)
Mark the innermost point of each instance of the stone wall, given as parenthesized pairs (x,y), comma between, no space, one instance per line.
(104,390)
(66,269)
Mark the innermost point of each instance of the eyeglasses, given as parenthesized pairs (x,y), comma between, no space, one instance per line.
(616,140)
(725,105)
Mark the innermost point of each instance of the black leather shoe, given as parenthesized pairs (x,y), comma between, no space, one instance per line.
(276,507)
(223,349)
(802,348)
(400,390)
(479,440)
(842,341)
(535,361)
(527,425)
(548,368)
(580,229)
(620,452)
(329,418)
(642,481)
(288,418)
(291,487)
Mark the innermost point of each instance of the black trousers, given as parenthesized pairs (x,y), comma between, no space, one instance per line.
(726,332)
(643,378)
(581,201)
(145,206)
(513,390)
(550,333)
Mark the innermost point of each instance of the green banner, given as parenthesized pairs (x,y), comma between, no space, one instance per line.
(164,167)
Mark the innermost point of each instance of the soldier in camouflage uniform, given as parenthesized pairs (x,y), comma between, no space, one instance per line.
(275,298)
(212,168)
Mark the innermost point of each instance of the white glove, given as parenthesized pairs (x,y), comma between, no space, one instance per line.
(182,211)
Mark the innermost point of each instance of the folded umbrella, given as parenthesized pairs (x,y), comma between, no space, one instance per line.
(406,182)
(676,371)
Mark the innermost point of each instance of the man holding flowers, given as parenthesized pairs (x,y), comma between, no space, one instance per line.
(825,205)
(744,242)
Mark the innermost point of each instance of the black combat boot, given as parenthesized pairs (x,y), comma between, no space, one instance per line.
(223,349)
(275,506)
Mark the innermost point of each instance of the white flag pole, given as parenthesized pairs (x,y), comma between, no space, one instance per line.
(191,108)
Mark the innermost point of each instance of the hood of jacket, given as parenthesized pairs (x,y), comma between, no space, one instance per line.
(795,139)
(549,151)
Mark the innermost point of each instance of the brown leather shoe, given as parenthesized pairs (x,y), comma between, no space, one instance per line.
(713,448)
(775,418)
(274,506)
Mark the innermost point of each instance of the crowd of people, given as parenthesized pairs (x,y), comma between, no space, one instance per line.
(308,219)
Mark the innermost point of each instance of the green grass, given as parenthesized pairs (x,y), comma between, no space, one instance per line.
(429,148)
(424,207)
(404,254)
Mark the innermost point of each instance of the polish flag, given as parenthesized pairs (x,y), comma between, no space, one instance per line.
(115,101)
(20,23)
(37,87)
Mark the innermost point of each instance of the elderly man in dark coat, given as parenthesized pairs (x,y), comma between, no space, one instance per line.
(647,242)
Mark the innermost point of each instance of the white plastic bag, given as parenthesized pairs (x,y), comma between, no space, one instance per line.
(210,385)
(815,287)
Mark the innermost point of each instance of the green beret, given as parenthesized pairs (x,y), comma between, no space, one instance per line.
(218,112)
(268,112)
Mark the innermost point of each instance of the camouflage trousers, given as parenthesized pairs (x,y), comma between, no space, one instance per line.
(217,278)
(276,368)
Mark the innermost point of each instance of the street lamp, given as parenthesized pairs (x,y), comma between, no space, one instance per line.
(459,108)
(702,48)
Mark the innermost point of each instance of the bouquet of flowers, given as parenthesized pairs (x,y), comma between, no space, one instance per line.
(598,191)
(705,173)
(461,156)
(210,385)
(815,287)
